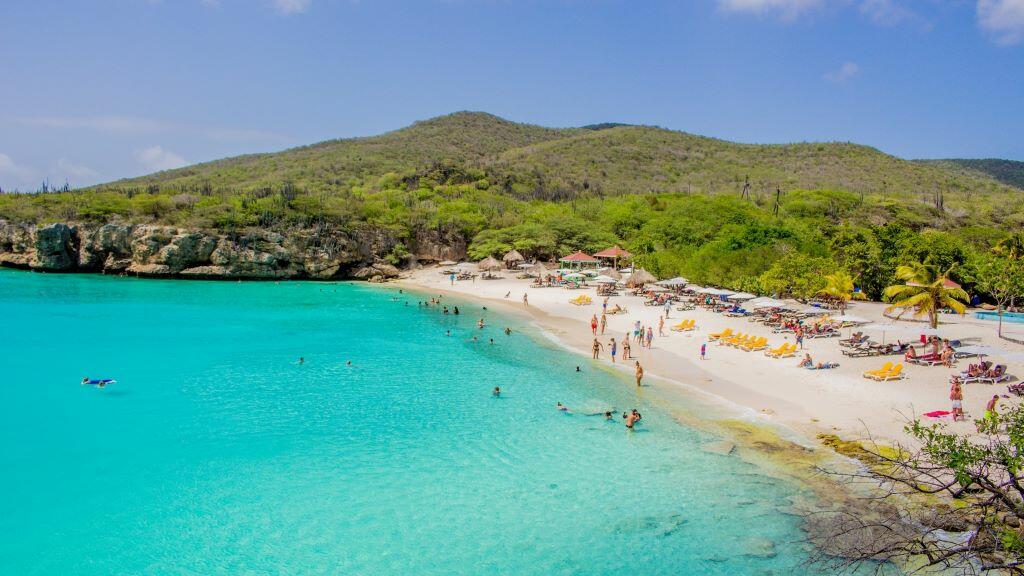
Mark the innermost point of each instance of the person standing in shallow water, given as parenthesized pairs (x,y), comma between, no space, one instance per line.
(661,326)
(614,348)
(597,347)
(604,322)
(526,301)
(639,373)
(625,348)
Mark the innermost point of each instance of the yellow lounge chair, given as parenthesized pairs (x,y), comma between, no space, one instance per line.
(778,352)
(790,352)
(759,343)
(881,371)
(684,325)
(723,334)
(895,374)
(691,325)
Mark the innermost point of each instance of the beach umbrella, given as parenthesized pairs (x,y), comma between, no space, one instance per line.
(490,263)
(741,296)
(465,266)
(694,288)
(766,303)
(709,291)
(891,329)
(602,279)
(851,319)
(656,288)
(1014,357)
(574,276)
(980,350)
(640,277)
(512,256)
(589,272)
(613,273)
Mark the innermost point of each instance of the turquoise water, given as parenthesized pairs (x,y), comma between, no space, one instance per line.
(1014,317)
(217,453)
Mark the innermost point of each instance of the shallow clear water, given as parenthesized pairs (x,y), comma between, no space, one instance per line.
(217,453)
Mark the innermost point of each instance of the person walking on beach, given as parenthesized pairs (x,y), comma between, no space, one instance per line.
(597,347)
(625,348)
(451,278)
(613,348)
(650,337)
(639,373)
(636,331)
(604,322)
(661,326)
(668,307)
(991,411)
(703,350)
(593,324)
(956,396)
(604,306)
(526,301)
(800,337)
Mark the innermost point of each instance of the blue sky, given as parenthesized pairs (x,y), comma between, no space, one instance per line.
(94,91)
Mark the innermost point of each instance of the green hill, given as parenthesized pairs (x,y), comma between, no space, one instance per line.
(1009,172)
(747,216)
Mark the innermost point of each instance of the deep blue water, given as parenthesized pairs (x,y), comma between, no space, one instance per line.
(217,453)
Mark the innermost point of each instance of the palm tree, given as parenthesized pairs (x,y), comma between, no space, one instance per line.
(1012,246)
(839,287)
(925,290)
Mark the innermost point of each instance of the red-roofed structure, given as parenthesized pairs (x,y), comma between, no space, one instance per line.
(615,253)
(579,259)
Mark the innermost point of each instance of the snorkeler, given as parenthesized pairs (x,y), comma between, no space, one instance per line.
(496,392)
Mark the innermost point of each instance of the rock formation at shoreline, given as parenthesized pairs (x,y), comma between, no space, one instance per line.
(167,251)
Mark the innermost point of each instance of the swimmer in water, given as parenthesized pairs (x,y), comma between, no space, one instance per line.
(561,407)
(348,363)
(480,324)
(302,360)
(631,419)
(497,391)
(447,332)
(492,340)
(508,331)
(577,368)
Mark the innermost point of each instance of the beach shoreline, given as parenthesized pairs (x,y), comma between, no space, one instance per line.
(837,402)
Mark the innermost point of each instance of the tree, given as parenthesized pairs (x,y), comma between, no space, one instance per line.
(1012,246)
(839,287)
(926,291)
(952,501)
(797,275)
(1002,278)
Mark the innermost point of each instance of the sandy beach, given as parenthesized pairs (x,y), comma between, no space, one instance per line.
(838,401)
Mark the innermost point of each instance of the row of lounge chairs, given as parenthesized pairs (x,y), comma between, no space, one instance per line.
(886,372)
(748,343)
(984,374)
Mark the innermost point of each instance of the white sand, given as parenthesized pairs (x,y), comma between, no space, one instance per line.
(839,401)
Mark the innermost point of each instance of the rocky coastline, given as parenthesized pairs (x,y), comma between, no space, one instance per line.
(175,252)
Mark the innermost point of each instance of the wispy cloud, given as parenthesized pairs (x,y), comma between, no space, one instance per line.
(73,171)
(842,74)
(9,167)
(1003,19)
(155,159)
(886,12)
(786,9)
(288,7)
(134,125)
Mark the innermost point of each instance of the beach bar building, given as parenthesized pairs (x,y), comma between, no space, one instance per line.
(615,253)
(579,260)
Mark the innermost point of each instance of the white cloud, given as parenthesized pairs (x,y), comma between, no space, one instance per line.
(155,159)
(1003,19)
(70,170)
(845,72)
(886,12)
(787,9)
(292,6)
(9,167)
(134,125)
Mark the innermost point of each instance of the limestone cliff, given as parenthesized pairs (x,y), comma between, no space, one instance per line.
(148,250)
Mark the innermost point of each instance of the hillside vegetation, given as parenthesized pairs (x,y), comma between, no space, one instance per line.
(738,215)
(1009,172)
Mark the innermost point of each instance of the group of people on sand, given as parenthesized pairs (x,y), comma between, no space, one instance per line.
(631,418)
(808,363)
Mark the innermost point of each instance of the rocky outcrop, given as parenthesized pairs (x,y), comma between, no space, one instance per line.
(150,250)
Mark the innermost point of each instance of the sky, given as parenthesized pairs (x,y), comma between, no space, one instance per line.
(96,91)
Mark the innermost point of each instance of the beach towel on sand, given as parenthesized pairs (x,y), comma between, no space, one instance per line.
(937,414)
